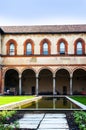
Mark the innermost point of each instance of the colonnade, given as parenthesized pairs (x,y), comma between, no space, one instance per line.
(74,81)
(37,85)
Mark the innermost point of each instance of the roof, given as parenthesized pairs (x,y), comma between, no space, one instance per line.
(45,29)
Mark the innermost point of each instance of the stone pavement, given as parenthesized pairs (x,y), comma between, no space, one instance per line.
(44,122)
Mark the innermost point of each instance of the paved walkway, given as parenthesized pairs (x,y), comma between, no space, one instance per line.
(44,122)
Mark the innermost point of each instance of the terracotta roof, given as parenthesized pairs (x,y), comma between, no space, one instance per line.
(44,29)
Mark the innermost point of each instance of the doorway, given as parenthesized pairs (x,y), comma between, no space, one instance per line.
(64,90)
(33,90)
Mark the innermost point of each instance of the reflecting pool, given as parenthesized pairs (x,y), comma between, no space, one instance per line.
(50,103)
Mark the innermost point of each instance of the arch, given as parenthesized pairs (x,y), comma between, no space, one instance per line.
(62,77)
(28,68)
(29,41)
(79,40)
(11,69)
(65,68)
(76,68)
(48,68)
(12,81)
(62,41)
(79,81)
(11,41)
(49,46)
(45,82)
(28,82)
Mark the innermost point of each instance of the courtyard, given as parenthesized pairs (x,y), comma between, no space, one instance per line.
(43,120)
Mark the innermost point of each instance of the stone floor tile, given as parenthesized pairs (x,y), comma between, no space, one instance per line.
(44,121)
(30,126)
(29,121)
(53,126)
(53,129)
(34,115)
(34,119)
(54,121)
(55,115)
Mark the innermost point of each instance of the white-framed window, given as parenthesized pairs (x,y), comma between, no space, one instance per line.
(62,48)
(28,49)
(45,48)
(79,48)
(12,49)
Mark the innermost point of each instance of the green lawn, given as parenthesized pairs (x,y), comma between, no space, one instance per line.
(10,99)
(80,99)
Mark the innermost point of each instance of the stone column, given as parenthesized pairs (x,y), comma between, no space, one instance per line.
(2,85)
(20,88)
(54,89)
(0,79)
(37,84)
(71,85)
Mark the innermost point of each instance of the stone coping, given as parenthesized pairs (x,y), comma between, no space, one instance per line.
(77,103)
(12,106)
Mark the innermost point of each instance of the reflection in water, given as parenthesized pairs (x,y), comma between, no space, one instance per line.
(64,101)
(37,105)
(52,103)
(71,106)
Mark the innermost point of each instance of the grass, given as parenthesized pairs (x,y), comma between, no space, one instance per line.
(80,99)
(9,99)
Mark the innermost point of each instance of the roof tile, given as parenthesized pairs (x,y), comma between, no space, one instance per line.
(44,29)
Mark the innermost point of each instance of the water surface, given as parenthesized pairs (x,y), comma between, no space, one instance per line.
(50,103)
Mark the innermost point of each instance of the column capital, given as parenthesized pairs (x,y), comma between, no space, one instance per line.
(71,76)
(54,75)
(37,76)
(20,76)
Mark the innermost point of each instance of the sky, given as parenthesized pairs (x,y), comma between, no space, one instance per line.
(42,12)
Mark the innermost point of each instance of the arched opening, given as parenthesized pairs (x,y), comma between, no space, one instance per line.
(62,82)
(45,48)
(45,82)
(79,81)
(28,49)
(79,46)
(12,81)
(62,48)
(79,50)
(12,49)
(28,82)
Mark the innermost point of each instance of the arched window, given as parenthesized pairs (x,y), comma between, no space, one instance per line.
(62,48)
(79,48)
(12,49)
(28,49)
(45,48)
